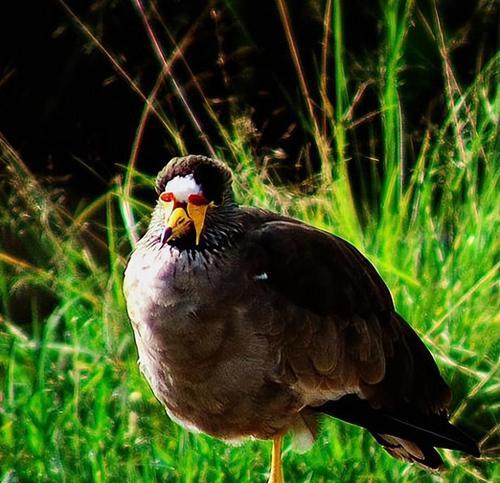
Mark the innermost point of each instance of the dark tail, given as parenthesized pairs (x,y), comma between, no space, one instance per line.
(404,433)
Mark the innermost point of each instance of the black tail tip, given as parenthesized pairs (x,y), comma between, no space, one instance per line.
(462,442)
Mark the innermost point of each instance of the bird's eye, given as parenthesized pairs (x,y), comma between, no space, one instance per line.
(167,197)
(197,200)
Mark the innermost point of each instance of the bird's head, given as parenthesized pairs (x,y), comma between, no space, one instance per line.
(189,190)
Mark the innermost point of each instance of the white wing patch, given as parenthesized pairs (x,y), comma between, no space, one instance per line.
(182,187)
(261,276)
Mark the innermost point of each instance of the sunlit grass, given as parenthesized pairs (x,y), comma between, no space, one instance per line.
(73,406)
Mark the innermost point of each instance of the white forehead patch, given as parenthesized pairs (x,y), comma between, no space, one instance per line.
(182,187)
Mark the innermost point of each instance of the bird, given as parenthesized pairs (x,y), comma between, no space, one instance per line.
(251,324)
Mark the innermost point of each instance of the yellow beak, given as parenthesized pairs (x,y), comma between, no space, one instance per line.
(178,222)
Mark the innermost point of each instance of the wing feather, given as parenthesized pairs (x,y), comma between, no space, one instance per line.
(341,333)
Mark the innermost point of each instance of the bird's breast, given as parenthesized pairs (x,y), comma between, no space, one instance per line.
(168,297)
(187,317)
(204,343)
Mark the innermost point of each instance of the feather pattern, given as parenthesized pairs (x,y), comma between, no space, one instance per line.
(268,323)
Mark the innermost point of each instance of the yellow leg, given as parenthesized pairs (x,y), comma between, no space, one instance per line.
(276,467)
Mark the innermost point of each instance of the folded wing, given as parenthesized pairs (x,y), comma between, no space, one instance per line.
(340,336)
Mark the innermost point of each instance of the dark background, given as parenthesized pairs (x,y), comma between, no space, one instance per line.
(73,118)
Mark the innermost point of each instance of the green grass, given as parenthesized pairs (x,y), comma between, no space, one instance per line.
(73,406)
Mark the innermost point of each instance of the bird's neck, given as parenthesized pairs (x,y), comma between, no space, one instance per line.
(222,227)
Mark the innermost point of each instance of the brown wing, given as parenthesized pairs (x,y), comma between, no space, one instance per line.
(339,330)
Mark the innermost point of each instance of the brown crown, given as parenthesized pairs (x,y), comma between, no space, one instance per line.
(213,176)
